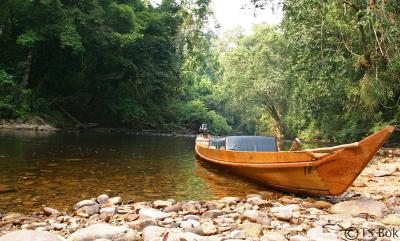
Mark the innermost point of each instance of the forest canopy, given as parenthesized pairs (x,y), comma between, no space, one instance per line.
(329,71)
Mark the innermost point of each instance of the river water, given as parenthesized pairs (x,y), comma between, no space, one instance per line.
(57,169)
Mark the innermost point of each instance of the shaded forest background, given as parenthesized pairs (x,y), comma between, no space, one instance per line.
(329,71)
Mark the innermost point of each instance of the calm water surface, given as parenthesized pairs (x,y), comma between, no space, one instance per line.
(60,168)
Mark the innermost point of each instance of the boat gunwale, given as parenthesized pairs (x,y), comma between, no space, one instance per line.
(298,164)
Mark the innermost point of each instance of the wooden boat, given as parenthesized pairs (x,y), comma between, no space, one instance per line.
(322,171)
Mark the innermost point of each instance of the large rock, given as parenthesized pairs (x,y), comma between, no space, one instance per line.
(104,231)
(31,235)
(154,213)
(362,206)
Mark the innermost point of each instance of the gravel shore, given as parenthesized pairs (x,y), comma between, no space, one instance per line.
(369,210)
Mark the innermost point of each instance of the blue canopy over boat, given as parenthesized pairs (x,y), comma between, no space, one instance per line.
(246,143)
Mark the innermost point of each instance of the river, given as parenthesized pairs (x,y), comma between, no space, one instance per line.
(58,169)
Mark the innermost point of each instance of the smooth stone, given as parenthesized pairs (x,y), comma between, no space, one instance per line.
(318,234)
(289,200)
(173,208)
(283,216)
(230,200)
(131,217)
(154,213)
(336,217)
(189,225)
(109,210)
(87,211)
(287,208)
(51,211)
(257,200)
(358,221)
(237,234)
(193,217)
(362,206)
(102,198)
(142,223)
(299,238)
(152,232)
(392,219)
(191,206)
(212,213)
(104,231)
(208,228)
(273,236)
(31,235)
(390,167)
(322,204)
(113,201)
(161,204)
(84,203)
(257,216)
(251,229)
(211,205)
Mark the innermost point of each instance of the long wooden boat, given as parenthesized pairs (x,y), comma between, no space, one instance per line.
(322,171)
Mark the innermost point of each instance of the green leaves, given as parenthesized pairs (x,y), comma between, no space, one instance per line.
(70,38)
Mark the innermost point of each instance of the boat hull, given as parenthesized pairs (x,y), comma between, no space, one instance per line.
(299,172)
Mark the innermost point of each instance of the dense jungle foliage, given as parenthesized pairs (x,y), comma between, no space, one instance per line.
(329,71)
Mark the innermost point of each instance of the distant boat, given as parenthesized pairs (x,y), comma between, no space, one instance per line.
(321,171)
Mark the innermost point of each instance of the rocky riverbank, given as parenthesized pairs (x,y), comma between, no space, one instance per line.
(370,210)
(29,123)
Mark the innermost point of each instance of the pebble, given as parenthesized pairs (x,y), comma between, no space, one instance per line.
(161,204)
(84,203)
(154,213)
(109,210)
(392,219)
(251,229)
(208,228)
(273,236)
(113,201)
(102,198)
(173,208)
(51,211)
